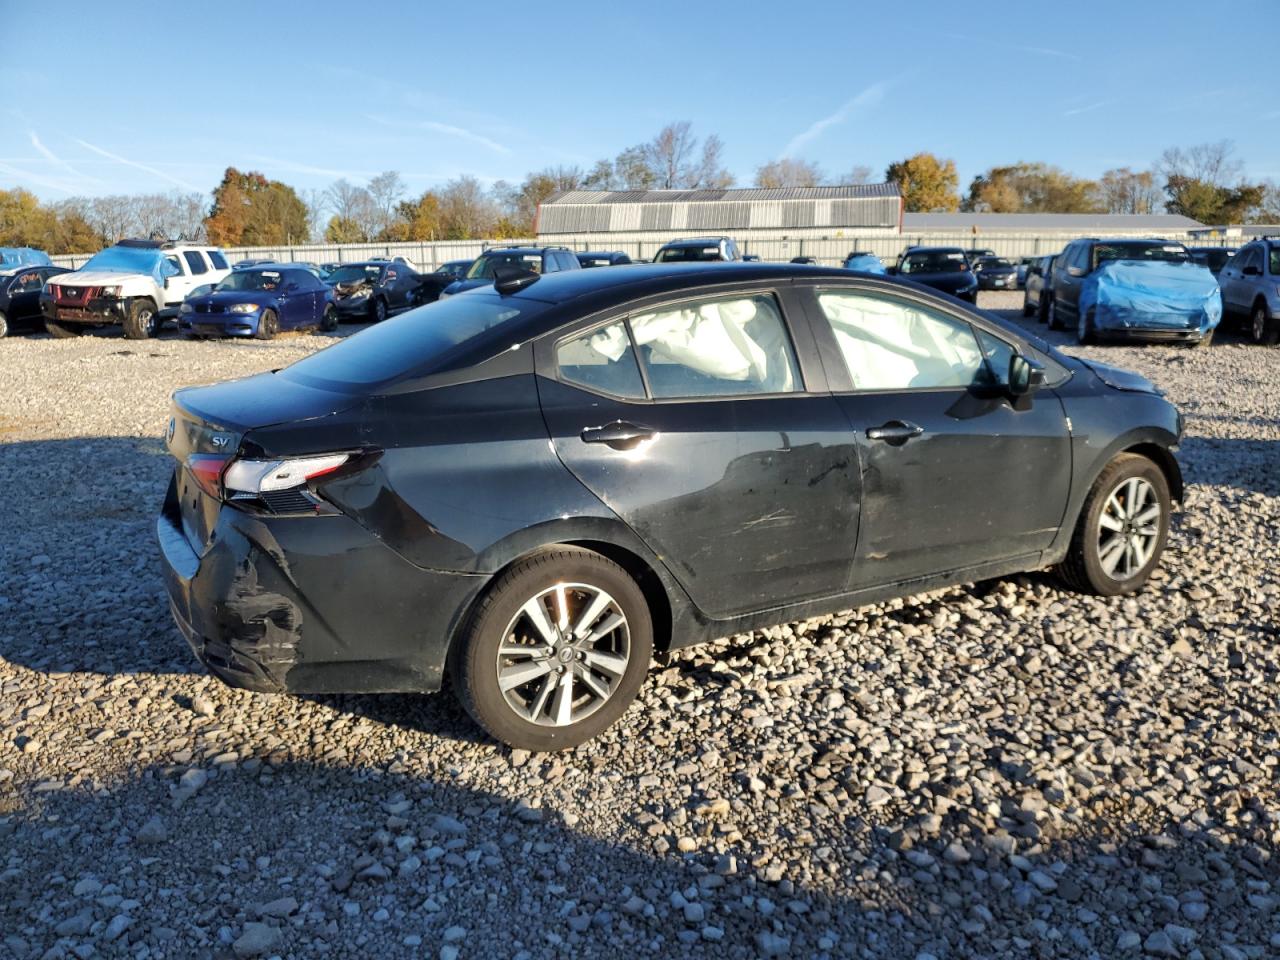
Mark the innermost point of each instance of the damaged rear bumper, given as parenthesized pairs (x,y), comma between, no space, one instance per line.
(309,604)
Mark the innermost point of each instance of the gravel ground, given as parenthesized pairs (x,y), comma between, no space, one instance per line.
(999,770)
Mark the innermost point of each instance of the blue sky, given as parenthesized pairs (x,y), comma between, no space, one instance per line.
(130,97)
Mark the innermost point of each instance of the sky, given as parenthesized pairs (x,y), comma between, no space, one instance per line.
(132,97)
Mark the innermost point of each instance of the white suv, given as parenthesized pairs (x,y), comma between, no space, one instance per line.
(136,283)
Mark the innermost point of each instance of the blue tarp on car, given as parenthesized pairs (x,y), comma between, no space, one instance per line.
(865,263)
(1152,295)
(11,258)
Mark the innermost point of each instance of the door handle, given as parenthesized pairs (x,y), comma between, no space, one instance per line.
(895,432)
(620,435)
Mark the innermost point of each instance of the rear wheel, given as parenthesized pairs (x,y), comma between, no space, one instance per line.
(1051,315)
(1122,529)
(556,651)
(379,310)
(4,325)
(1263,328)
(268,325)
(1085,333)
(61,331)
(141,323)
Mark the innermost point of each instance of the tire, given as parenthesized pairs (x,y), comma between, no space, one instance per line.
(141,322)
(1263,329)
(4,325)
(1091,550)
(1085,334)
(379,310)
(329,322)
(61,331)
(501,622)
(1042,309)
(268,325)
(1027,309)
(1051,316)
(1205,341)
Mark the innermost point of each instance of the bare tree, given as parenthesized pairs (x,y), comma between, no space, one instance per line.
(673,161)
(858,175)
(710,174)
(788,172)
(466,210)
(1210,163)
(1122,190)
(317,202)
(386,190)
(342,197)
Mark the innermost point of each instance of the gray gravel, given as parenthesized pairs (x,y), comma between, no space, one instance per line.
(1005,769)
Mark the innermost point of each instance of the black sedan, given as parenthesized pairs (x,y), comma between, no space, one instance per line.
(376,289)
(942,268)
(20,298)
(996,273)
(534,487)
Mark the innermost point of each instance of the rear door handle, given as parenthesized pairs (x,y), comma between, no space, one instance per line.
(895,432)
(620,435)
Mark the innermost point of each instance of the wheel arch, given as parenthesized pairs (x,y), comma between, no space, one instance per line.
(1163,458)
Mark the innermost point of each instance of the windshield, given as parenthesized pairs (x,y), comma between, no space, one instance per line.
(484,266)
(997,262)
(686,254)
(133,260)
(251,280)
(937,261)
(426,340)
(355,273)
(1150,250)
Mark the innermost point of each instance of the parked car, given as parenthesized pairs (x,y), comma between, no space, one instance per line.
(808,260)
(996,273)
(20,297)
(539,260)
(260,302)
(746,258)
(1024,266)
(252,262)
(1215,258)
(612,258)
(328,268)
(374,290)
(136,283)
(943,268)
(1251,288)
(697,249)
(974,254)
(405,260)
(1034,299)
(1127,288)
(15,258)
(864,262)
(454,269)
(486,490)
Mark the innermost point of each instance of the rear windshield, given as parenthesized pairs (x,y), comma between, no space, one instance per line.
(998,262)
(426,340)
(936,261)
(483,268)
(1215,259)
(1174,252)
(686,254)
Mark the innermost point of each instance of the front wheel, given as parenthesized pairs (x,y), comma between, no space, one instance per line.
(1027,308)
(556,651)
(268,326)
(1051,315)
(329,322)
(379,310)
(140,323)
(1262,328)
(4,325)
(1085,333)
(1122,529)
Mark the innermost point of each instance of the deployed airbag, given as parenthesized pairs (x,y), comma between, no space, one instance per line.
(1152,295)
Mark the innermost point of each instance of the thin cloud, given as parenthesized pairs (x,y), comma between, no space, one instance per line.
(294,167)
(867,98)
(434,126)
(1021,48)
(1076,111)
(56,160)
(139,166)
(62,186)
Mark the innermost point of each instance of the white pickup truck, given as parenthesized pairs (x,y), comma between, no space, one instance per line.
(136,283)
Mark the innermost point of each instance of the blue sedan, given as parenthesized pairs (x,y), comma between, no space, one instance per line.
(260,302)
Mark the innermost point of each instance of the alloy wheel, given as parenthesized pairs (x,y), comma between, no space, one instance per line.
(1258,327)
(563,654)
(1128,528)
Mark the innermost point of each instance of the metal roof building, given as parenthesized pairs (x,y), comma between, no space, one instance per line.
(639,221)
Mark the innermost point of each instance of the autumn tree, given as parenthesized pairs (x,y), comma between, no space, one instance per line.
(26,222)
(418,219)
(251,211)
(1122,190)
(926,183)
(788,172)
(1031,188)
(386,190)
(1206,183)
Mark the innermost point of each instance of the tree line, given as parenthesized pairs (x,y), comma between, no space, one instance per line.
(1205,182)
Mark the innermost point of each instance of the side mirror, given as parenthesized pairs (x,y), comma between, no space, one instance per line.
(1026,376)
(1075,271)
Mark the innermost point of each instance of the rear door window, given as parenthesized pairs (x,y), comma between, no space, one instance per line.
(195,261)
(218,260)
(603,360)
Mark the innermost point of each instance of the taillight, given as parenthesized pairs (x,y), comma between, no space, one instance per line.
(255,477)
(206,469)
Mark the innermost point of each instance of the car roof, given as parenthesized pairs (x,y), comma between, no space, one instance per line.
(693,241)
(366,263)
(935,250)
